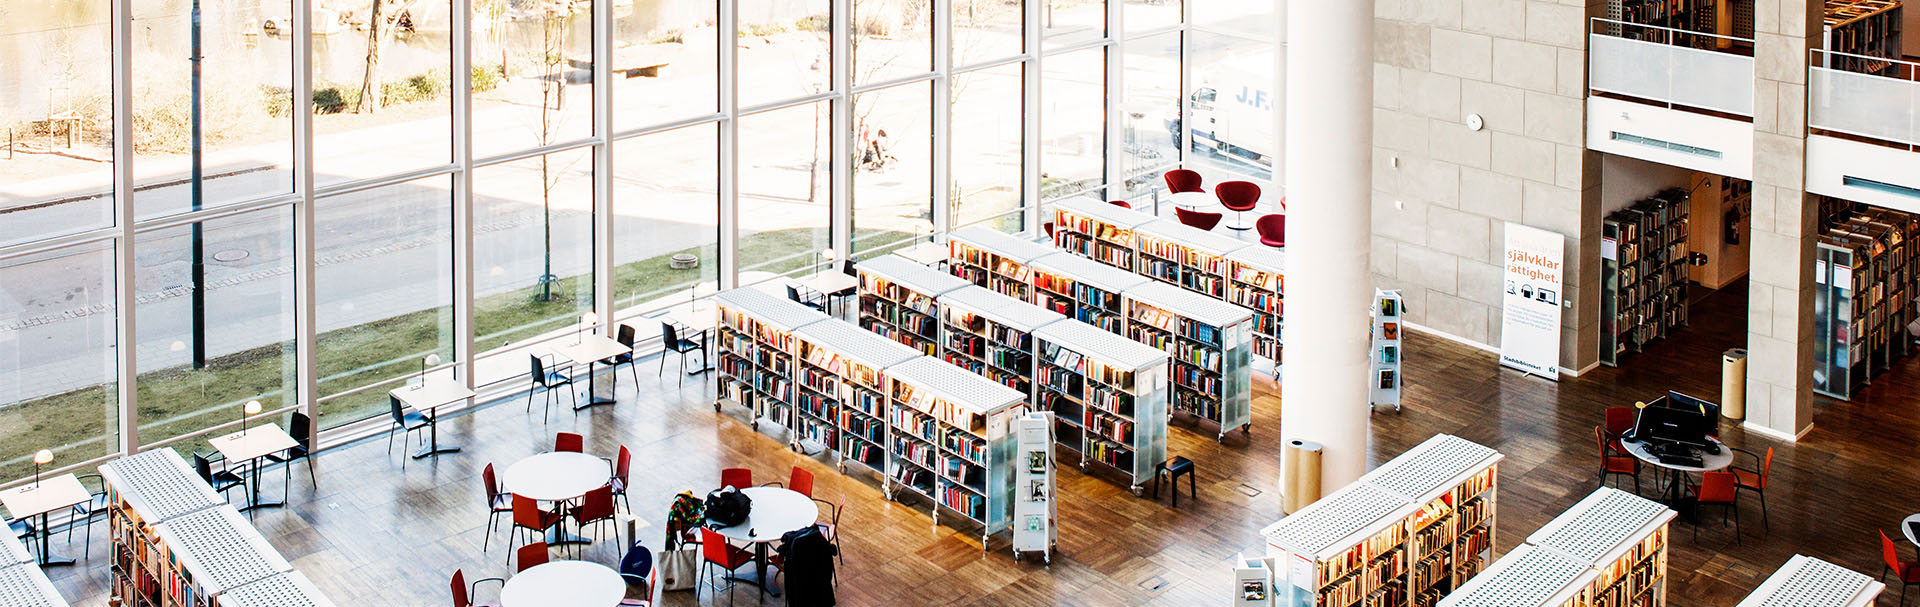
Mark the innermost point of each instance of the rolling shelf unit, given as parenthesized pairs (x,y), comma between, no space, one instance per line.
(1623,538)
(1185,256)
(897,300)
(214,551)
(1097,230)
(1208,340)
(1529,576)
(1345,547)
(25,585)
(991,335)
(995,260)
(952,441)
(1092,379)
(1452,484)
(1863,271)
(756,354)
(144,490)
(1643,274)
(1809,582)
(843,390)
(289,589)
(1256,278)
(1084,290)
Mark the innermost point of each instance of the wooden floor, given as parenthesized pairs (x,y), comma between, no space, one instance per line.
(380,533)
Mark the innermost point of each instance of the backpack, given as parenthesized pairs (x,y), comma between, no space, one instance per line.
(727,507)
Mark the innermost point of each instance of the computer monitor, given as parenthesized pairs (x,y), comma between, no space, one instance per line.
(1682,401)
(1673,425)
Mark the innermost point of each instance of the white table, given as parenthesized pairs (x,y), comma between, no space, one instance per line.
(1906,527)
(1673,492)
(428,398)
(49,495)
(699,318)
(557,477)
(775,511)
(926,253)
(830,283)
(591,350)
(570,583)
(250,445)
(1193,200)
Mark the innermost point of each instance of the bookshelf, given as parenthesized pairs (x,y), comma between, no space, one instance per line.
(1387,351)
(1256,277)
(897,300)
(991,335)
(1643,274)
(143,491)
(1869,28)
(1863,301)
(1528,576)
(291,589)
(844,388)
(1097,230)
(1809,582)
(1452,484)
(1084,290)
(25,585)
(756,354)
(1623,538)
(214,551)
(1108,394)
(952,442)
(995,260)
(1185,256)
(1347,546)
(1209,344)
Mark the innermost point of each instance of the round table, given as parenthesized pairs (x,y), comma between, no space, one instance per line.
(557,477)
(1906,527)
(1193,200)
(775,511)
(565,583)
(1709,462)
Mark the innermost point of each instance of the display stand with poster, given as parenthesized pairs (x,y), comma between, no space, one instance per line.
(1388,307)
(1033,507)
(1530,307)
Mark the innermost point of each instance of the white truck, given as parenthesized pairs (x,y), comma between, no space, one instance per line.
(1232,110)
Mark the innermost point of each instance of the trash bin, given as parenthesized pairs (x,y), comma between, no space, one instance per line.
(1299,475)
(1733,384)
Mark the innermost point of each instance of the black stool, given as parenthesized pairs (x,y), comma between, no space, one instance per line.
(1173,469)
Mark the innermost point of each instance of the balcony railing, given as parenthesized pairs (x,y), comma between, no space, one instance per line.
(1666,66)
(1844,99)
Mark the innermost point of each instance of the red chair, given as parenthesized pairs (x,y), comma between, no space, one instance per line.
(622,472)
(831,529)
(1120,203)
(1755,479)
(1905,571)
(528,515)
(1239,197)
(463,594)
(1619,422)
(1717,488)
(498,502)
(738,478)
(800,481)
(1612,461)
(715,551)
(1183,180)
(596,507)
(532,555)
(1283,204)
(1198,219)
(568,442)
(1272,229)
(1048,226)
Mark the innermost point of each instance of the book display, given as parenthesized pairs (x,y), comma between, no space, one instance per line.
(1108,396)
(1036,517)
(1097,230)
(143,491)
(1643,274)
(995,260)
(1809,582)
(757,366)
(991,335)
(1256,276)
(1209,342)
(1084,290)
(1185,256)
(953,443)
(897,300)
(1388,307)
(1863,299)
(843,391)
(1623,538)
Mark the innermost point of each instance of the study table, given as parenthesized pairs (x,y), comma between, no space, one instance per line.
(41,499)
(571,583)
(589,351)
(775,511)
(429,397)
(250,445)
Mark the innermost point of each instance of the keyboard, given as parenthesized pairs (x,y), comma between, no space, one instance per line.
(1681,460)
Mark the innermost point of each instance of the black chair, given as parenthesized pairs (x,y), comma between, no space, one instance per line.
(221,481)
(24,529)
(816,301)
(544,378)
(403,419)
(670,340)
(301,427)
(96,505)
(1173,469)
(625,337)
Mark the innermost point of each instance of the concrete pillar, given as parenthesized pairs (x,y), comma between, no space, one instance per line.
(1328,161)
(1780,286)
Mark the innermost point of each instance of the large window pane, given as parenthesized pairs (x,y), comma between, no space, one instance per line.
(1231,107)
(785,49)
(207,346)
(1150,109)
(57,369)
(891,39)
(986,30)
(893,167)
(56,176)
(1072,115)
(783,188)
(665,62)
(385,290)
(1070,22)
(1252,18)
(666,202)
(542,56)
(406,56)
(1150,15)
(986,148)
(532,249)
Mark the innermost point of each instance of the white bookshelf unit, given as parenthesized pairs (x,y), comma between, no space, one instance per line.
(756,354)
(1809,582)
(215,551)
(1256,279)
(1185,256)
(995,260)
(991,335)
(1108,395)
(145,490)
(1623,537)
(844,389)
(897,300)
(291,589)
(1209,342)
(1083,289)
(1529,576)
(1098,230)
(25,585)
(952,441)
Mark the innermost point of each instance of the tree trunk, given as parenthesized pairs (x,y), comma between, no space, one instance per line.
(370,83)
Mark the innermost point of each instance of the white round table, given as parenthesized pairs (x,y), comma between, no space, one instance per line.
(556,477)
(1193,200)
(1906,527)
(571,583)
(775,511)
(1677,473)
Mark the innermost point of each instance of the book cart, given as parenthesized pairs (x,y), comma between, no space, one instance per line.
(215,551)
(143,491)
(291,589)
(1208,340)
(1256,277)
(897,300)
(1623,538)
(1809,582)
(1186,256)
(756,354)
(1097,230)
(1083,289)
(843,390)
(995,260)
(991,335)
(25,585)
(1108,395)
(952,442)
(1529,576)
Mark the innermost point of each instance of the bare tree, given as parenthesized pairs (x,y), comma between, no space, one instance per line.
(379,32)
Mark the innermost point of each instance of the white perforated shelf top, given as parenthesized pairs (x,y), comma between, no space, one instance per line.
(1809,582)
(779,312)
(285,590)
(27,586)
(1186,303)
(955,385)
(1338,522)
(1001,243)
(12,552)
(1103,211)
(1007,311)
(912,275)
(1526,577)
(221,549)
(1602,527)
(1432,467)
(1089,272)
(159,485)
(864,347)
(1192,237)
(1097,344)
(1263,258)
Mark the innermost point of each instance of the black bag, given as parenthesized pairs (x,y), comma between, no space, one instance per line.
(727,507)
(808,559)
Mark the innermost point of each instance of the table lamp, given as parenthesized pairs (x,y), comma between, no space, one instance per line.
(586,320)
(250,409)
(40,458)
(432,360)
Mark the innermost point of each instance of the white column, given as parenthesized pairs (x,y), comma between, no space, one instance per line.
(1329,144)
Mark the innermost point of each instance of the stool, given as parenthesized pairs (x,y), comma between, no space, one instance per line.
(1173,469)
